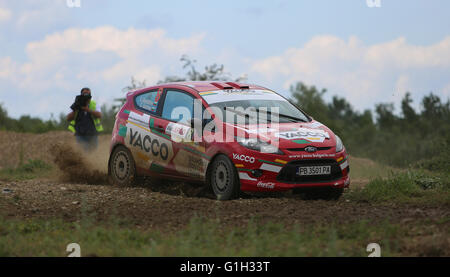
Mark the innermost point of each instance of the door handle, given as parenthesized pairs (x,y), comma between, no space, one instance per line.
(159,128)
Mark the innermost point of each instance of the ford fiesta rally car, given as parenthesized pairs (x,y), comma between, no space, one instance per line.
(206,132)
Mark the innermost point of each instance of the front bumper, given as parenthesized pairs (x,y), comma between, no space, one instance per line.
(280,175)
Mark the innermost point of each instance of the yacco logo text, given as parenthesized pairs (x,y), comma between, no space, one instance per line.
(303,132)
(244,158)
(149,145)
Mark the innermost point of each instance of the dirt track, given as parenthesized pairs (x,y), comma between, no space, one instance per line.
(68,196)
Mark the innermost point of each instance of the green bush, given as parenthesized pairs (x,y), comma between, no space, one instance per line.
(406,186)
(398,139)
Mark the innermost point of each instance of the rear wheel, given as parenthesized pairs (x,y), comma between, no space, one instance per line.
(223,178)
(122,169)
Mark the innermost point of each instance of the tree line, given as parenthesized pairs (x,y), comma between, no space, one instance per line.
(398,138)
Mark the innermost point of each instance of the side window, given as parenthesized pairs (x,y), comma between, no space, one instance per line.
(148,101)
(178,106)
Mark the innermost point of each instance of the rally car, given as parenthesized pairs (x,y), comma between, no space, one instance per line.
(230,136)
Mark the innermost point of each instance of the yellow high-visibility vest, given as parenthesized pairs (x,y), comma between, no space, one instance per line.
(97,123)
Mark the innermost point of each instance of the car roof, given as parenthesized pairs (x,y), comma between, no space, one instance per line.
(202,86)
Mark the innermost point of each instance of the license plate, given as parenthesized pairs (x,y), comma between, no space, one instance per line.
(314,170)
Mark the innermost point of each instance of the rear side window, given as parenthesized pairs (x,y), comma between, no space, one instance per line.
(148,101)
(178,106)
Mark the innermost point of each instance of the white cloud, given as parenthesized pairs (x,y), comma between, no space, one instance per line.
(104,58)
(137,51)
(7,67)
(5,14)
(402,85)
(364,74)
(402,55)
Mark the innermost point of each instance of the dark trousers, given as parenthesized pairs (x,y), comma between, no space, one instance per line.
(88,143)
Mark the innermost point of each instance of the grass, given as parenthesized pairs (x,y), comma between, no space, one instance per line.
(361,168)
(426,182)
(413,186)
(200,238)
(206,237)
(29,170)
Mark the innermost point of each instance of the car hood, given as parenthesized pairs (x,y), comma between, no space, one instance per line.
(291,135)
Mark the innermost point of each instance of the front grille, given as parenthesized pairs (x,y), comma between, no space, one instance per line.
(289,172)
(303,149)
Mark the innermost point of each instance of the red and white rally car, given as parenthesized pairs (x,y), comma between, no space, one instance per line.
(232,136)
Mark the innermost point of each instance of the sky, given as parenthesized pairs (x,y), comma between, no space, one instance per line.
(368,51)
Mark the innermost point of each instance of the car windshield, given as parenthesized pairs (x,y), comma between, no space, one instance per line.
(259,109)
(251,106)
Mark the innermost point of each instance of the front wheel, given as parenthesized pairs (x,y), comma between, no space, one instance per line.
(223,178)
(122,169)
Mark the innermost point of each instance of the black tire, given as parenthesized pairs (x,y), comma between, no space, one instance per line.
(320,193)
(122,169)
(223,178)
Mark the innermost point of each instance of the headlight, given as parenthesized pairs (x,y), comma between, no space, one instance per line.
(259,145)
(339,145)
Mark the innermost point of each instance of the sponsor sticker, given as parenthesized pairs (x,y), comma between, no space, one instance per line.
(179,132)
(261,130)
(244,158)
(267,185)
(143,119)
(315,155)
(147,146)
(270,167)
(245,176)
(313,135)
(238,94)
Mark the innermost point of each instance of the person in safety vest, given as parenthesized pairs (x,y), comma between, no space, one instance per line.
(84,120)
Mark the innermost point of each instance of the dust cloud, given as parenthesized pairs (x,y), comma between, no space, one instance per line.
(79,166)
